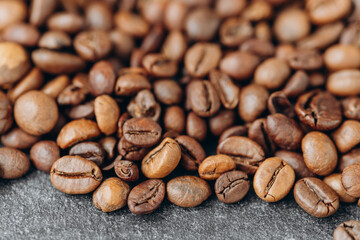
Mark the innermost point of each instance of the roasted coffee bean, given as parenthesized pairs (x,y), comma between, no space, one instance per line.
(168,91)
(77,131)
(334,181)
(146,197)
(212,167)
(162,160)
(142,132)
(319,110)
(315,197)
(152,41)
(296,161)
(284,51)
(192,153)
(201,24)
(66,21)
(72,95)
(92,45)
(344,83)
(347,135)
(131,23)
(98,15)
(174,14)
(234,31)
(221,121)
(350,179)
(351,107)
(272,73)
(75,175)
(174,119)
(101,78)
(232,186)
(349,158)
(126,170)
(279,103)
(239,65)
(305,60)
(350,35)
(319,153)
(107,113)
(11,12)
(229,8)
(91,151)
(111,195)
(263,31)
(204,100)
(316,79)
(13,163)
(35,112)
(85,110)
(108,144)
(261,48)
(258,133)
(347,230)
(123,43)
(131,152)
(339,57)
(322,12)
(227,91)
(187,191)
(17,138)
(175,45)
(274,179)
(130,83)
(297,84)
(246,153)
(22,33)
(6,119)
(196,127)
(123,118)
(43,154)
(54,40)
(233,131)
(40,10)
(144,105)
(158,65)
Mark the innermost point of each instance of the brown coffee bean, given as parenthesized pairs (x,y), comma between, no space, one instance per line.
(108,144)
(319,110)
(204,99)
(263,31)
(170,134)
(274,179)
(234,31)
(258,10)
(162,160)
(297,84)
(174,14)
(350,35)
(142,132)
(35,112)
(98,15)
(126,170)
(21,33)
(284,51)
(261,48)
(351,107)
(315,197)
(167,91)
(57,62)
(11,12)
(319,153)
(174,119)
(91,151)
(258,133)
(72,95)
(174,46)
(192,153)
(349,158)
(123,118)
(213,166)
(187,191)
(92,45)
(15,62)
(344,82)
(55,40)
(229,8)
(123,43)
(111,195)
(147,196)
(350,179)
(201,24)
(159,66)
(316,79)
(43,154)
(66,21)
(196,127)
(102,78)
(347,135)
(296,161)
(40,10)
(6,119)
(32,81)
(131,83)
(75,175)
(279,103)
(221,121)
(152,41)
(246,153)
(272,73)
(227,91)
(334,181)
(339,57)
(305,60)
(144,105)
(131,23)
(239,65)
(284,131)
(13,163)
(252,102)
(77,131)
(107,113)
(347,230)
(232,186)
(85,110)
(131,152)
(233,131)
(152,10)
(322,12)
(17,138)
(54,87)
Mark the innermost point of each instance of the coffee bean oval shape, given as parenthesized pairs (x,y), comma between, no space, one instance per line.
(319,153)
(162,160)
(11,12)
(102,78)
(315,197)
(196,127)
(322,12)
(92,45)
(274,179)
(6,117)
(107,113)
(347,135)
(66,21)
(18,138)
(75,175)
(350,179)
(187,191)
(147,196)
(77,131)
(232,186)
(159,66)
(126,170)
(131,152)
(351,108)
(168,91)
(296,161)
(247,154)
(305,59)
(234,31)
(347,231)
(111,195)
(213,166)
(142,132)
(13,163)
(43,154)
(55,40)
(239,65)
(91,151)
(349,158)
(25,34)
(279,103)
(334,181)
(341,56)
(272,73)
(233,131)
(36,113)
(130,84)
(192,153)
(344,83)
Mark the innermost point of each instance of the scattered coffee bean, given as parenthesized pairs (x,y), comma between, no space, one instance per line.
(350,179)
(232,186)
(212,167)
(126,170)
(347,230)
(43,154)
(13,163)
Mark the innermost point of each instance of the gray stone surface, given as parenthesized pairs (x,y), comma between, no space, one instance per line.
(31,208)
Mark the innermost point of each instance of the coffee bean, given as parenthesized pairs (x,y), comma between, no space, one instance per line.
(174,15)
(168,91)
(263,31)
(315,197)
(13,163)
(22,33)
(326,12)
(123,118)
(92,45)
(204,99)
(274,179)
(85,110)
(54,40)
(347,135)
(258,132)
(344,82)
(350,179)
(192,153)
(187,191)
(130,151)
(212,167)
(91,151)
(153,39)
(272,73)
(144,105)
(232,186)
(319,153)
(234,31)
(351,107)
(196,127)
(305,60)
(174,119)
(233,131)
(334,181)
(201,24)
(296,161)
(66,21)
(261,48)
(162,160)
(98,15)
(142,132)
(297,84)
(350,35)
(108,144)
(221,121)
(239,65)
(107,114)
(349,158)
(11,12)
(158,65)
(123,43)
(347,230)
(252,102)
(316,79)
(279,103)
(130,83)
(72,95)
(126,170)
(175,45)
(43,154)
(339,57)
(229,8)
(101,78)
(75,175)
(131,23)
(147,196)
(17,138)
(6,119)
(111,195)
(284,51)
(40,10)
(246,153)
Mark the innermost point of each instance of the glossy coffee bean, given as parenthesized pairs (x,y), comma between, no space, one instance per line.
(347,135)
(196,127)
(344,82)
(18,138)
(349,158)
(43,154)
(85,110)
(75,175)
(233,131)
(131,23)
(221,121)
(131,152)
(212,167)
(40,10)
(162,160)
(272,73)
(201,24)
(229,8)
(279,103)
(66,21)
(326,12)
(92,45)
(305,60)
(175,45)
(108,144)
(13,163)
(350,180)
(347,230)
(55,40)
(101,78)
(339,57)
(111,195)
(98,15)
(351,108)
(232,186)
(11,12)
(147,196)
(142,132)
(187,191)
(107,113)
(234,31)
(123,118)
(296,161)
(168,91)
(274,179)
(21,33)
(174,119)
(192,153)
(144,105)
(131,83)
(334,181)
(315,197)
(204,99)
(91,151)
(262,48)
(297,84)
(126,170)
(258,132)
(239,65)
(6,119)
(158,65)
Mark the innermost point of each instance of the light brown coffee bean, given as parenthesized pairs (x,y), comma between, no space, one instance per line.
(339,57)
(159,66)
(322,12)
(66,21)
(234,31)
(107,113)
(131,23)
(174,46)
(54,87)
(6,117)
(22,33)
(334,181)
(201,24)
(272,73)
(13,163)
(40,10)
(17,138)
(239,65)
(347,135)
(174,119)
(212,167)
(350,180)
(55,40)
(196,127)
(252,102)
(344,82)
(43,154)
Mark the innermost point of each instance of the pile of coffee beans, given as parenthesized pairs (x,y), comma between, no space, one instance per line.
(120,97)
